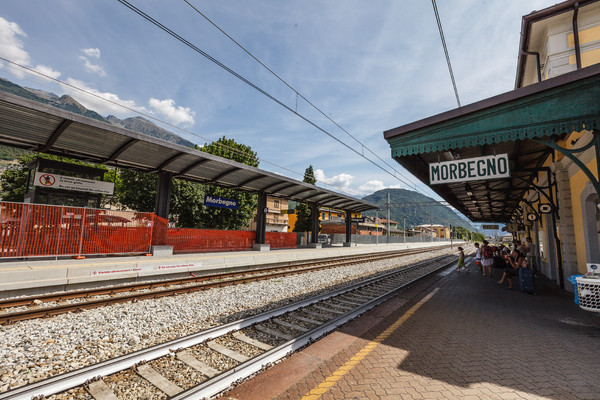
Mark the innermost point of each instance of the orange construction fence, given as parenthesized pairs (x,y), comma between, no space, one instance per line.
(186,240)
(30,230)
(281,240)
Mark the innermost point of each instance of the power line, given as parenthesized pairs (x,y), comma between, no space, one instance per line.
(254,86)
(298,94)
(439,24)
(143,114)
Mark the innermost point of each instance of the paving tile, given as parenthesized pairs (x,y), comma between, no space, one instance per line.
(470,341)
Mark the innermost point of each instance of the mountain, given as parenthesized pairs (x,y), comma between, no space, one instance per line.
(416,207)
(67,103)
(142,125)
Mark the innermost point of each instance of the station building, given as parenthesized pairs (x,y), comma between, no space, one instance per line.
(529,158)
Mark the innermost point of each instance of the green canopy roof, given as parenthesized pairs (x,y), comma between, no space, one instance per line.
(517,123)
(567,103)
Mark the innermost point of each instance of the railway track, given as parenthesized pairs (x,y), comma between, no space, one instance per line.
(45,306)
(204,364)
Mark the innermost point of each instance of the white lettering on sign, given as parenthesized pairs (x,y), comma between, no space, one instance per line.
(64,182)
(469,169)
(130,270)
(136,269)
(174,266)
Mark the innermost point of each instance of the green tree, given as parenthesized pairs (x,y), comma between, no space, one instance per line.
(223,218)
(303,211)
(138,192)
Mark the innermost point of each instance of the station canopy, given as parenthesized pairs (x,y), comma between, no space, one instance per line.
(35,126)
(520,123)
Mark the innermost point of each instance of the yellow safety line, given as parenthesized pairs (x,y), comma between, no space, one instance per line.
(324,386)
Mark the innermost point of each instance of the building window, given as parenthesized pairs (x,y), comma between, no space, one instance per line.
(275,203)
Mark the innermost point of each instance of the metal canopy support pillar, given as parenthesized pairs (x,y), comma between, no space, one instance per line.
(348,241)
(163,194)
(261,224)
(314,226)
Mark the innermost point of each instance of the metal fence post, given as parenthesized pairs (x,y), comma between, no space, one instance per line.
(81,236)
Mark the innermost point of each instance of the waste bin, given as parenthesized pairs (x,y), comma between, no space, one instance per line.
(589,292)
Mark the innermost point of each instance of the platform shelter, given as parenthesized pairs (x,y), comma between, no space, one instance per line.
(38,127)
(529,158)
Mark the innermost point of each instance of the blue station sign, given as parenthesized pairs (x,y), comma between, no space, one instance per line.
(212,201)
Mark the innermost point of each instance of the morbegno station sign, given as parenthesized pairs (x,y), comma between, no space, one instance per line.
(469,169)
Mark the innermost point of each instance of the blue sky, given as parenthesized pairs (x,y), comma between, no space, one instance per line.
(369,65)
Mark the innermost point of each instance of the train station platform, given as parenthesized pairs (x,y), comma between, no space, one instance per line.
(41,275)
(453,336)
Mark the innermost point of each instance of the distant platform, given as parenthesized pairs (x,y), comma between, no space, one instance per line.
(39,276)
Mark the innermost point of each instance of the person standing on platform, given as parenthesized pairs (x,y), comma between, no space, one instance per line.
(487,258)
(478,256)
(461,260)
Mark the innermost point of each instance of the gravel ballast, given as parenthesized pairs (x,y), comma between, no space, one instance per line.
(37,349)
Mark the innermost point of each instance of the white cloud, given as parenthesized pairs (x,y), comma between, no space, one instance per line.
(177,115)
(11,47)
(375,185)
(48,71)
(341,180)
(98,104)
(92,52)
(94,68)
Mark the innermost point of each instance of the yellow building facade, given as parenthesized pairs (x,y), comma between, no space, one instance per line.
(565,39)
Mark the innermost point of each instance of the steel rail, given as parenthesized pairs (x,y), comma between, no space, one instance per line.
(79,377)
(46,312)
(30,300)
(227,379)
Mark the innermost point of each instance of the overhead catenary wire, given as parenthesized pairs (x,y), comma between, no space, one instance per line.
(87,92)
(439,24)
(296,92)
(257,88)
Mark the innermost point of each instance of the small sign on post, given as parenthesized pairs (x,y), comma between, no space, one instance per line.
(56,181)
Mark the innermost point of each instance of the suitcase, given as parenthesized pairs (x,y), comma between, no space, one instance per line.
(499,262)
(527,280)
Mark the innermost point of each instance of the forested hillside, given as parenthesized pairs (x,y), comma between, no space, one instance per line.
(416,207)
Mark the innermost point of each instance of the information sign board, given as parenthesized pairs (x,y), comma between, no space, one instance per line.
(490,227)
(469,169)
(55,181)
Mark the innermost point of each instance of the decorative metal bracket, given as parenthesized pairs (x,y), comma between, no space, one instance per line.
(571,155)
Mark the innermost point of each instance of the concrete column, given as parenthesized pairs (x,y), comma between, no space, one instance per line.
(566,225)
(163,194)
(314,230)
(348,241)
(261,218)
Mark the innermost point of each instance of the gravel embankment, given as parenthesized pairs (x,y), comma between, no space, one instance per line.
(37,349)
